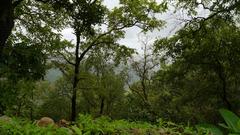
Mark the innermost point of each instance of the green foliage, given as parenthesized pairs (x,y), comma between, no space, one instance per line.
(140,12)
(227,8)
(25,127)
(201,69)
(232,121)
(17,97)
(87,125)
(209,129)
(104,125)
(53,99)
(25,61)
(232,126)
(101,92)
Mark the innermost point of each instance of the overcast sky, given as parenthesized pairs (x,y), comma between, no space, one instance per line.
(173,23)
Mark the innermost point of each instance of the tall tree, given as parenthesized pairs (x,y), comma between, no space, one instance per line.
(32,39)
(94,25)
(6,20)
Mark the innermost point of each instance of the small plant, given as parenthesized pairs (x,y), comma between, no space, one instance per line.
(232,124)
(209,129)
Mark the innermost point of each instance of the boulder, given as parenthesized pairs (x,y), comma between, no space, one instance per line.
(5,118)
(45,121)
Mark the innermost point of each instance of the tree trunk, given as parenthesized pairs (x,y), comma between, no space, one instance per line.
(19,107)
(74,94)
(6,22)
(222,77)
(75,79)
(31,107)
(101,106)
(2,108)
(224,94)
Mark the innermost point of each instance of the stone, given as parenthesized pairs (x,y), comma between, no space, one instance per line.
(63,123)
(45,121)
(5,118)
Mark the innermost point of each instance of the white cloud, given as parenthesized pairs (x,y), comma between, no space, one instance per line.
(68,34)
(111,3)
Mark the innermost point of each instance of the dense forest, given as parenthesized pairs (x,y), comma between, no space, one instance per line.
(184,83)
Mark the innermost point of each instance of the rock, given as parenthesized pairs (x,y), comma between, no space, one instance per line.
(5,118)
(45,121)
(63,123)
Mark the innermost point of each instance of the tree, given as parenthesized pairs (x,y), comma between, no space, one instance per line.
(144,68)
(11,11)
(33,31)
(23,64)
(227,9)
(203,63)
(216,8)
(87,19)
(6,20)
(101,93)
(53,100)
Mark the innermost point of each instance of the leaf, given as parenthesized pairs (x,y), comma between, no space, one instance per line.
(238,124)
(231,119)
(77,130)
(223,125)
(211,128)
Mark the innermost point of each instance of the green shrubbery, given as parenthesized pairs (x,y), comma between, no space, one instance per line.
(25,127)
(231,126)
(87,125)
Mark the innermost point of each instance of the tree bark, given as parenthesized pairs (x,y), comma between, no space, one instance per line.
(224,92)
(101,106)
(75,79)
(223,79)
(74,94)
(6,22)
(2,108)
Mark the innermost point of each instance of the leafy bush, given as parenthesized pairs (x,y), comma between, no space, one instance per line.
(87,125)
(24,127)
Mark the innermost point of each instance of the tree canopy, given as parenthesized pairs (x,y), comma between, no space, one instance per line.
(185,77)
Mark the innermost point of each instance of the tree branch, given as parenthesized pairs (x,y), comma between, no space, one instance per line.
(65,58)
(94,42)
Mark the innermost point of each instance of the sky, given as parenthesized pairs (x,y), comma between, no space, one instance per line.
(174,21)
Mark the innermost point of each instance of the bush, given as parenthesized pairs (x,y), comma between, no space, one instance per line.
(87,125)
(25,127)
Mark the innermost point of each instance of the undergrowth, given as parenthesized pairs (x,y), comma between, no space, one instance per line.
(86,125)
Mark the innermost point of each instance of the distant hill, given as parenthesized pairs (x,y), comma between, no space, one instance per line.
(54,74)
